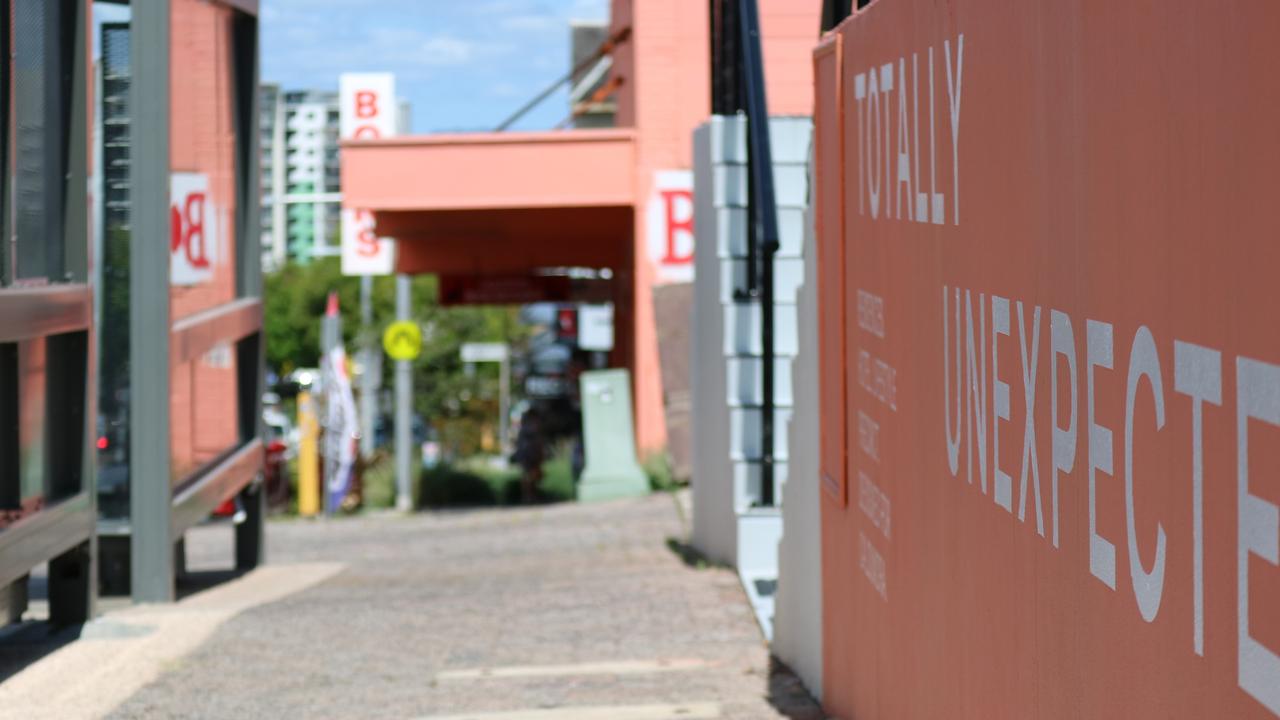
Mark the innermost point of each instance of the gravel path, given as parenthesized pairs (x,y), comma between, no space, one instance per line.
(556,608)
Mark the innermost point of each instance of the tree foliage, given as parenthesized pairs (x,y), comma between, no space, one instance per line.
(461,405)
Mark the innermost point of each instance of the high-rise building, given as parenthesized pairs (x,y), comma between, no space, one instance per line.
(270,123)
(301,187)
(300,190)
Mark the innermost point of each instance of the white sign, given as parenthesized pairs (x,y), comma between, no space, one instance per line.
(367,106)
(194,241)
(669,224)
(484,352)
(363,252)
(367,111)
(595,327)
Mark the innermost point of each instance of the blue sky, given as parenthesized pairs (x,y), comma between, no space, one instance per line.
(463,64)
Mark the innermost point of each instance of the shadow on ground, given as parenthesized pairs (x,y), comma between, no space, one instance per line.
(788,695)
(447,486)
(25,643)
(197,581)
(692,556)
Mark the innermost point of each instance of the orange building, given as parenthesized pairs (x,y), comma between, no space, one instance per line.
(492,204)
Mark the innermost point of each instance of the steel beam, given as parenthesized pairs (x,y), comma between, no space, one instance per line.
(210,488)
(196,334)
(404,404)
(150,495)
(250,349)
(43,535)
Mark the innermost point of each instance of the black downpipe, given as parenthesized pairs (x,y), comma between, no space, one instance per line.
(763,222)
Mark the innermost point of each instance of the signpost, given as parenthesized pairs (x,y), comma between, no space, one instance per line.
(404,396)
(499,353)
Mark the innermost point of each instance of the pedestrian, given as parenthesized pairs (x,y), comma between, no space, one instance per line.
(530,453)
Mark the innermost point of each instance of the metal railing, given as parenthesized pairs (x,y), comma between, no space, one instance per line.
(738,88)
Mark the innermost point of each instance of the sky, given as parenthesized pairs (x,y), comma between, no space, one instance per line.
(462,64)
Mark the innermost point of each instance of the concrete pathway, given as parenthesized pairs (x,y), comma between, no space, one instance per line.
(561,612)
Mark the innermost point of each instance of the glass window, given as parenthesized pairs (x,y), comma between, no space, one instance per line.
(112,192)
(43,49)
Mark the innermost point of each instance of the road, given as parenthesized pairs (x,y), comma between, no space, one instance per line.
(565,612)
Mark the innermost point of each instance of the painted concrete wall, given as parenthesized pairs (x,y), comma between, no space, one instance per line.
(797,622)
(1100,264)
(728,372)
(714,521)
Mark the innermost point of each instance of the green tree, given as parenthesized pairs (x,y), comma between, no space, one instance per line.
(461,405)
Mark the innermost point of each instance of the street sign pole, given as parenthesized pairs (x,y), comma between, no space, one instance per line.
(404,398)
(504,404)
(368,378)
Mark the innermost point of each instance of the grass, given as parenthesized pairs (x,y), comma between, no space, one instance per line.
(657,466)
(380,481)
(476,482)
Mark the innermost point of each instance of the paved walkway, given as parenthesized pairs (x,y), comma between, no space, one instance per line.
(555,613)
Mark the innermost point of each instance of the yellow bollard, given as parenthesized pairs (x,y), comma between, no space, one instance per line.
(308,457)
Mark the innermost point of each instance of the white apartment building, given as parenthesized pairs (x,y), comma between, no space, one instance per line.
(301,185)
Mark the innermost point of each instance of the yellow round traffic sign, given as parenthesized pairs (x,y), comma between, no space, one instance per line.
(402,340)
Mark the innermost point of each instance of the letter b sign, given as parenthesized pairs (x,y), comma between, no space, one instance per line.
(193,240)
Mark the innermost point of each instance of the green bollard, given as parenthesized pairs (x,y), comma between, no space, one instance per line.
(609,439)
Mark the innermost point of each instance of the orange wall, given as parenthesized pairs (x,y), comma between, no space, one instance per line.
(664,96)
(789,30)
(1104,167)
(202,139)
(666,93)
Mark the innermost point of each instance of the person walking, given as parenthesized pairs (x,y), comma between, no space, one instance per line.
(530,453)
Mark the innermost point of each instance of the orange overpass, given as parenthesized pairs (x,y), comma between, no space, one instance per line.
(487,204)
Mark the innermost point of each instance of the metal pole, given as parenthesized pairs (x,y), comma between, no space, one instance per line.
(330,338)
(150,494)
(765,221)
(368,380)
(504,402)
(404,401)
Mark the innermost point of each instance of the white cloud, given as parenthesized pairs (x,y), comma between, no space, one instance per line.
(409,45)
(531,23)
(462,63)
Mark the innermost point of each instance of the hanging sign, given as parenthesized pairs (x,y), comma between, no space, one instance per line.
(367,111)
